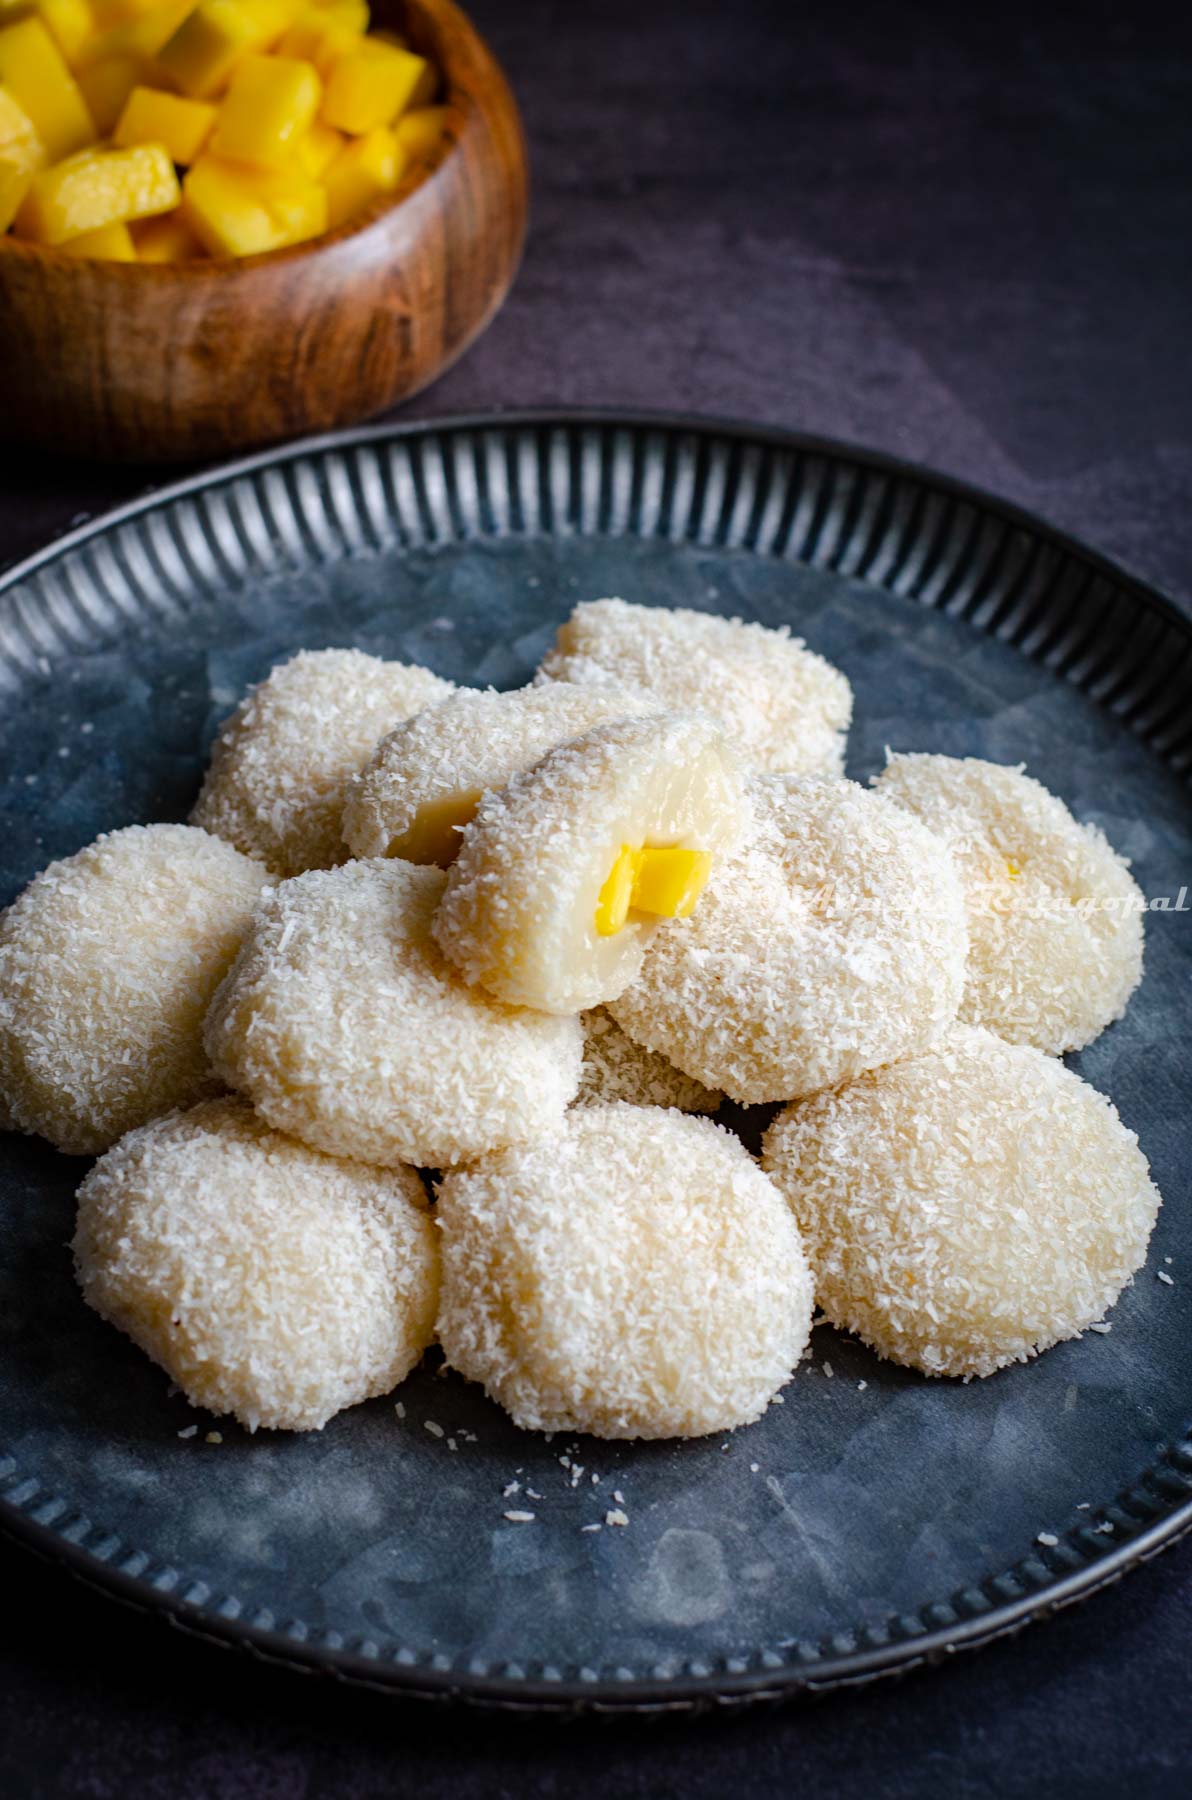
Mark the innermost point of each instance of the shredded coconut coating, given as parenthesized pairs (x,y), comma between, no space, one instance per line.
(108,961)
(270,1281)
(615,1068)
(346,1027)
(275,787)
(966,1208)
(782,707)
(634,1275)
(518,915)
(1055,917)
(834,940)
(474,741)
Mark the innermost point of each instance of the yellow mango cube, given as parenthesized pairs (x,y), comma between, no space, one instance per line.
(215,36)
(364,170)
(318,149)
(16,127)
(419,132)
(96,189)
(612,905)
(71,24)
(371,85)
(181,126)
(106,85)
(16,178)
(321,43)
(116,12)
(140,37)
(668,881)
(34,72)
(168,239)
(270,105)
(111,243)
(22,154)
(315,25)
(236,209)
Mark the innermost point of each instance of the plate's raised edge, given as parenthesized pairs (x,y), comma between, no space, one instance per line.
(777,437)
(689,1693)
(839,1666)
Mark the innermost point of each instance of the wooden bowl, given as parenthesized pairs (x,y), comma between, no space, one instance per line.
(152,362)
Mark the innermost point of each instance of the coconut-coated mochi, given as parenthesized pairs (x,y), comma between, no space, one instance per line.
(279,766)
(108,961)
(345,1025)
(833,940)
(783,707)
(967,1207)
(269,1281)
(1055,916)
(633,1275)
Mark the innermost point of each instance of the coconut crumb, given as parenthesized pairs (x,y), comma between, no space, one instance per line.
(615,1516)
(1165,1278)
(1048,1539)
(214,1437)
(520,1518)
(189,1431)
(435,1429)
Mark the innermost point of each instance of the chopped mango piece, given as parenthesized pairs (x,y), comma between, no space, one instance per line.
(71,24)
(419,132)
(16,127)
(34,72)
(318,148)
(106,85)
(213,38)
(612,906)
(433,835)
(270,106)
(371,85)
(181,126)
(365,169)
(320,34)
(168,239)
(235,209)
(96,189)
(140,38)
(323,46)
(116,12)
(16,178)
(111,243)
(669,881)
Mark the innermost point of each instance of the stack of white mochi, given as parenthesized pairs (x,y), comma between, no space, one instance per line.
(525,943)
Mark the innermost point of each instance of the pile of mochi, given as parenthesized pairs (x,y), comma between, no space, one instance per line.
(415,1032)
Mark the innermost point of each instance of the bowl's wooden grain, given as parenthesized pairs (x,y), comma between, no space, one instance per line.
(201,359)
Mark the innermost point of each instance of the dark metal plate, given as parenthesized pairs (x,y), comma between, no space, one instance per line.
(872,1520)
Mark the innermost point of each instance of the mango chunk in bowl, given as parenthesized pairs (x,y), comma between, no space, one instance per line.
(232,221)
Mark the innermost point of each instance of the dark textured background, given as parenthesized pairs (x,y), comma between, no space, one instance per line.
(967,241)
